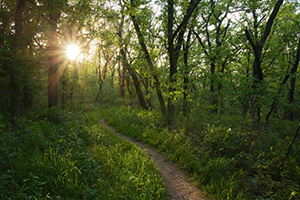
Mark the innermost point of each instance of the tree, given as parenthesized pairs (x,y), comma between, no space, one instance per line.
(14,85)
(288,56)
(257,44)
(214,41)
(147,57)
(54,14)
(174,44)
(127,65)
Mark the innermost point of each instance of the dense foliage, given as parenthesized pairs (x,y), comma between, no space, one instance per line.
(213,84)
(228,162)
(74,159)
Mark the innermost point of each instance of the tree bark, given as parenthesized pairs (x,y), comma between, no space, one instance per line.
(291,94)
(64,95)
(150,64)
(129,91)
(186,74)
(135,80)
(53,62)
(257,48)
(130,69)
(174,48)
(14,84)
(121,79)
(102,73)
(290,114)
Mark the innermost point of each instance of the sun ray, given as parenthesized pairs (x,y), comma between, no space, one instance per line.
(72,51)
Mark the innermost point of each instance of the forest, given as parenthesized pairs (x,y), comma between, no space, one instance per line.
(213,85)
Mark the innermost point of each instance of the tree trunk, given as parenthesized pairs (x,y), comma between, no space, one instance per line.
(258,78)
(53,62)
(214,97)
(135,80)
(289,113)
(14,84)
(174,48)
(102,74)
(150,64)
(186,75)
(293,82)
(64,95)
(121,79)
(129,91)
(257,46)
(27,90)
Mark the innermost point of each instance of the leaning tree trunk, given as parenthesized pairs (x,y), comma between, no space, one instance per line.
(135,80)
(150,64)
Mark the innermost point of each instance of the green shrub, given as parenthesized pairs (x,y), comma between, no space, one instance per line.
(70,158)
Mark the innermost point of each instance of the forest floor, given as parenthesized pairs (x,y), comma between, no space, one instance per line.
(176,180)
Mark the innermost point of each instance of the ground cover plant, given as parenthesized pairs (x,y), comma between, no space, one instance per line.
(227,162)
(74,159)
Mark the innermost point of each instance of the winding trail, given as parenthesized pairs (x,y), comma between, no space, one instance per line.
(176,180)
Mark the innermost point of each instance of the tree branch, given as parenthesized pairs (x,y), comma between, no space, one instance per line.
(270,22)
(190,10)
(248,35)
(201,43)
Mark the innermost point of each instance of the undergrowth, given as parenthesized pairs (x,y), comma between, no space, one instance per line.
(73,158)
(228,162)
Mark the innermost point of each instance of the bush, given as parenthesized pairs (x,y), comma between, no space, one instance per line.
(73,158)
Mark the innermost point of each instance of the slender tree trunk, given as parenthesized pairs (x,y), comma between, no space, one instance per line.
(53,62)
(112,84)
(135,80)
(121,73)
(186,75)
(27,90)
(174,47)
(64,95)
(245,104)
(129,68)
(129,91)
(147,83)
(293,82)
(258,78)
(214,97)
(289,113)
(102,74)
(150,64)
(257,46)
(14,83)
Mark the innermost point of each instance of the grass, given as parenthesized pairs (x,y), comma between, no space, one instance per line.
(74,158)
(227,162)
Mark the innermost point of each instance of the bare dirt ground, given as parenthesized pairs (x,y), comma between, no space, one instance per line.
(176,180)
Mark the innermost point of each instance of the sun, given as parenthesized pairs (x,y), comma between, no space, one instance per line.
(72,51)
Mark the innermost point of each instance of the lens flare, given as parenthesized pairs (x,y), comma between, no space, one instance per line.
(72,51)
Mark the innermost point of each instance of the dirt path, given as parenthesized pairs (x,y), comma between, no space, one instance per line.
(175,179)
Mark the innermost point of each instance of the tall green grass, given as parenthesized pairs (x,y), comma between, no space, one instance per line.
(228,162)
(73,158)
